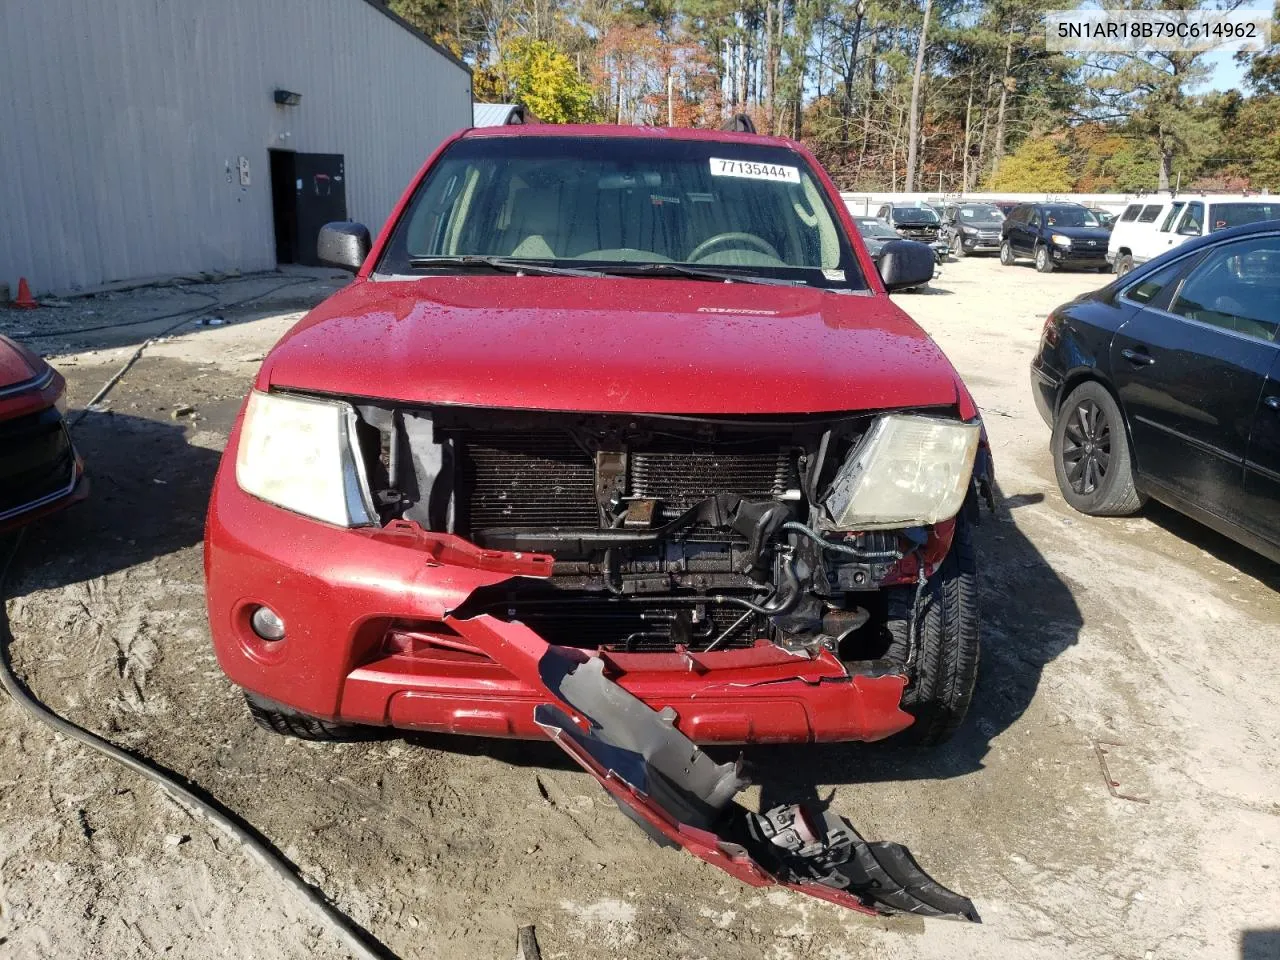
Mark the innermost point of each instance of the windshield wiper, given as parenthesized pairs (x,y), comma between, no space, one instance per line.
(692,273)
(500,264)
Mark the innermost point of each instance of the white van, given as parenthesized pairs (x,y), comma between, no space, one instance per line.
(1179,219)
(1133,236)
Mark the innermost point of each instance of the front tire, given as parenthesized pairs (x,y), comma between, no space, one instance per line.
(290,723)
(1091,456)
(1044,262)
(957,248)
(1006,254)
(942,663)
(1124,263)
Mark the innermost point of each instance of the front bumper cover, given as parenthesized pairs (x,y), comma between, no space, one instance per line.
(680,797)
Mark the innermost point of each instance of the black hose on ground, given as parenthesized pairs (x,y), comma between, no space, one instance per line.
(362,944)
(355,938)
(187,312)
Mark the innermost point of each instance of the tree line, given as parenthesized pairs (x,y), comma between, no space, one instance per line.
(904,95)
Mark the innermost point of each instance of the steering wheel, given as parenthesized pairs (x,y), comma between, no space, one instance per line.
(742,239)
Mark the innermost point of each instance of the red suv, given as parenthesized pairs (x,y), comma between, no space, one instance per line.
(626,397)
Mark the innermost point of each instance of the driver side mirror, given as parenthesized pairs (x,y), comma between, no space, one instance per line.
(905,263)
(343,244)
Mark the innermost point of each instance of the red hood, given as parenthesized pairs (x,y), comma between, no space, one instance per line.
(613,345)
(16,364)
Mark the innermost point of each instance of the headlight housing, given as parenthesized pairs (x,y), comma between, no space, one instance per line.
(907,471)
(1061,240)
(298,453)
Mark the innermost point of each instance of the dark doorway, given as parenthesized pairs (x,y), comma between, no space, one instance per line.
(282,204)
(308,190)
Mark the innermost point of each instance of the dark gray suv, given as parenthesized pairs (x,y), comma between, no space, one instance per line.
(972,228)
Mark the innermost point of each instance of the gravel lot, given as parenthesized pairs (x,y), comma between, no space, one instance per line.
(1151,633)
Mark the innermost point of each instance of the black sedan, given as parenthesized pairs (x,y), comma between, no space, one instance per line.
(1166,384)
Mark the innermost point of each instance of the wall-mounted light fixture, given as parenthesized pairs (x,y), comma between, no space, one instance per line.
(287,98)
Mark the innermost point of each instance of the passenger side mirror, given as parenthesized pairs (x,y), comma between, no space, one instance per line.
(905,263)
(343,244)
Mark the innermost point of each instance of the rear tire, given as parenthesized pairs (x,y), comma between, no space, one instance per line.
(1091,456)
(1044,262)
(1006,254)
(940,682)
(290,723)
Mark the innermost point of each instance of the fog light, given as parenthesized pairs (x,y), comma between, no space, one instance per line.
(267,624)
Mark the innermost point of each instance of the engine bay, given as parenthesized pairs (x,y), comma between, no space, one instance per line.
(668,532)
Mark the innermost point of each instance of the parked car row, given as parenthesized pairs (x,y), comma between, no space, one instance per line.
(1066,235)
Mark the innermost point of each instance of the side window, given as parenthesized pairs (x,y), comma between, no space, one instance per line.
(1150,213)
(1034,219)
(1192,221)
(1131,213)
(1173,215)
(1237,288)
(1148,288)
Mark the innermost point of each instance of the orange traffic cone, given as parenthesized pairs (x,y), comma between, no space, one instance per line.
(25,300)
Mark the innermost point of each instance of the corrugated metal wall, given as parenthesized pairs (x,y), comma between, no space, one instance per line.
(121,122)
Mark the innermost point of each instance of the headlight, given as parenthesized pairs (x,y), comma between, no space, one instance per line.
(297,453)
(1061,240)
(907,471)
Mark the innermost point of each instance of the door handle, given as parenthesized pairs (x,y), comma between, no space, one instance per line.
(1139,358)
(1273,403)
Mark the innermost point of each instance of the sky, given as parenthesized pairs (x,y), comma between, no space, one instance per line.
(1227,74)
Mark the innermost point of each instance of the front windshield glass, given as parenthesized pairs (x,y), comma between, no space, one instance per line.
(981,213)
(1069,217)
(617,203)
(914,215)
(876,228)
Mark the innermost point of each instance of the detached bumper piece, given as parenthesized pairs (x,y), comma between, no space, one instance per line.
(681,797)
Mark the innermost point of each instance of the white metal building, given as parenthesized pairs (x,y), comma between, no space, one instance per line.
(148,138)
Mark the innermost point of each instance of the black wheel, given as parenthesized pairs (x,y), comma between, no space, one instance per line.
(942,663)
(1006,254)
(1044,262)
(290,723)
(1124,263)
(1091,455)
(957,248)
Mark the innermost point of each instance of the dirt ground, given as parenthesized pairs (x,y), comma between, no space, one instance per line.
(1151,633)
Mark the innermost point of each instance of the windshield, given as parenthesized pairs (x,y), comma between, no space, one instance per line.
(876,228)
(914,215)
(1224,215)
(1069,217)
(616,203)
(981,213)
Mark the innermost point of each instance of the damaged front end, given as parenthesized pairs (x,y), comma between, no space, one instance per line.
(683,534)
(626,585)
(680,797)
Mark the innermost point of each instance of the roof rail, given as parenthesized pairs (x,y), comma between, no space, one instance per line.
(739,123)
